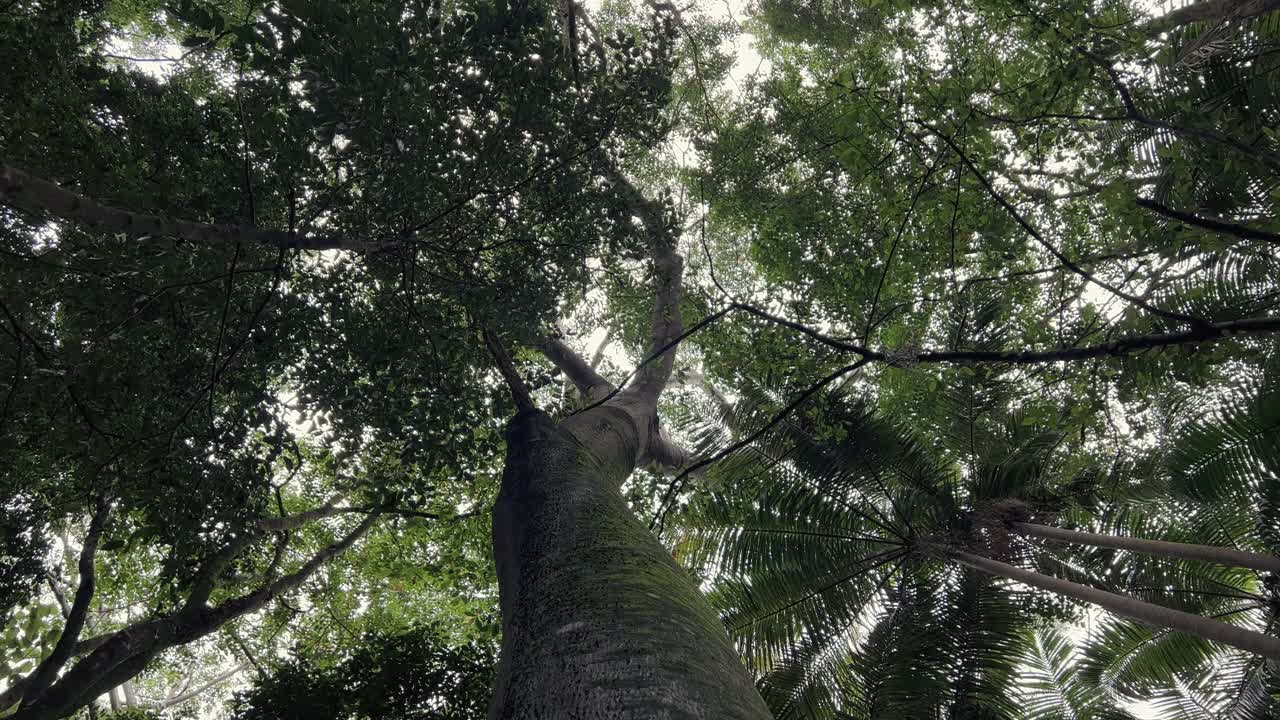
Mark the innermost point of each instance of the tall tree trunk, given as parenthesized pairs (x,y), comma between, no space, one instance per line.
(1182,551)
(1145,612)
(598,620)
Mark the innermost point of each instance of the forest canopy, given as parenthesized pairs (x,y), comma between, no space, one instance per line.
(794,359)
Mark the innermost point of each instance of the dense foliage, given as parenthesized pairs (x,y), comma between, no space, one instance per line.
(966,264)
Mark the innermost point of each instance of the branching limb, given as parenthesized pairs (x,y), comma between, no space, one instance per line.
(44,675)
(590,384)
(125,653)
(668,268)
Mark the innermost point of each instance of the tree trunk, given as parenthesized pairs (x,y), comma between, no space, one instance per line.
(1183,551)
(1144,612)
(598,620)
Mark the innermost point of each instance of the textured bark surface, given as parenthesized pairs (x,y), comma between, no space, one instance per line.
(598,619)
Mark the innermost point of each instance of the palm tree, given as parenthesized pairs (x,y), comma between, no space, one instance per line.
(867,575)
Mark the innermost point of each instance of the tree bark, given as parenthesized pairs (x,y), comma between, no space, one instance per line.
(1145,612)
(1182,551)
(598,620)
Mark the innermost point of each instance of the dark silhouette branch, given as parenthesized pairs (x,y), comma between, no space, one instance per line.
(1057,254)
(21,190)
(674,488)
(1243,232)
(519,390)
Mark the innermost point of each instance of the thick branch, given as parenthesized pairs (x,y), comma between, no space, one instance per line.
(44,675)
(519,390)
(590,384)
(668,454)
(668,268)
(30,193)
(127,652)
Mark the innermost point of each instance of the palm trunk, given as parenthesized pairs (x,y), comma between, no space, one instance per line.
(598,620)
(1182,551)
(1144,612)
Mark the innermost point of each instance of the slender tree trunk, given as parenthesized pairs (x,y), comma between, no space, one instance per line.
(1182,551)
(130,697)
(1145,612)
(598,619)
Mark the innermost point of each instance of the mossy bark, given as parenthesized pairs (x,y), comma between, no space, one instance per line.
(598,619)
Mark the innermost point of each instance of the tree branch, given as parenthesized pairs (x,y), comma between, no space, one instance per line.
(1241,231)
(1057,254)
(21,190)
(125,653)
(664,505)
(598,355)
(196,691)
(44,675)
(1209,10)
(668,268)
(519,391)
(590,384)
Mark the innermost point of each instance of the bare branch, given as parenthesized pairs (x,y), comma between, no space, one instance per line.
(665,504)
(197,691)
(519,391)
(1241,231)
